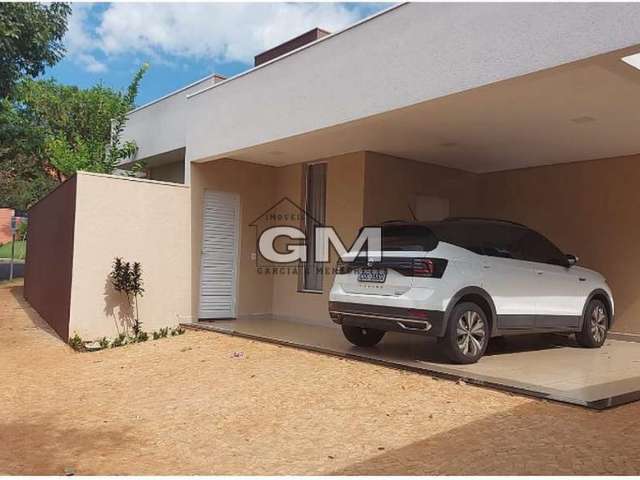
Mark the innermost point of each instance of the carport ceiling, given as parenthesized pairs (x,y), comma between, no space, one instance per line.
(579,111)
(172,156)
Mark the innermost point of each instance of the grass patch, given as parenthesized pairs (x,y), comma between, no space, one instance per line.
(20,253)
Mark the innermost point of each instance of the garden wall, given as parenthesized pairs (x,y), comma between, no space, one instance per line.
(139,220)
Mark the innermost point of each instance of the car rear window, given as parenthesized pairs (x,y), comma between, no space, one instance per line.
(408,238)
(484,238)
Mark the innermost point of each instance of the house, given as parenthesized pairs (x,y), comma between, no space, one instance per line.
(528,112)
(6,214)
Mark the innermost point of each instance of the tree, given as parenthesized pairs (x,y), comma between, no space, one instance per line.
(84,125)
(48,131)
(30,39)
(24,178)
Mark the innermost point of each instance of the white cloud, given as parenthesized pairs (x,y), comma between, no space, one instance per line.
(78,37)
(90,63)
(223,32)
(80,42)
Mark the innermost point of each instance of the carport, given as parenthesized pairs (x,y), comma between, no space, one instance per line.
(556,150)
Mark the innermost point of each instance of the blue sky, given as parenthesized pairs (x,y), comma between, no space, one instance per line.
(107,42)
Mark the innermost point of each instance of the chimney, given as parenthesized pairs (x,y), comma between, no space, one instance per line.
(290,45)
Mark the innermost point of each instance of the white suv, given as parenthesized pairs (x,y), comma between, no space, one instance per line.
(465,280)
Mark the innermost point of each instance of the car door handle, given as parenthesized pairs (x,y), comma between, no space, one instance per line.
(539,272)
(487,267)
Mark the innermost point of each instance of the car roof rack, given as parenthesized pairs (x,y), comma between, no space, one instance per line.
(483,219)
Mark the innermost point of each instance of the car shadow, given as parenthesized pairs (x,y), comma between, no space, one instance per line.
(403,347)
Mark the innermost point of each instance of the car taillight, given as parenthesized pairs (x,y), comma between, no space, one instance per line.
(429,267)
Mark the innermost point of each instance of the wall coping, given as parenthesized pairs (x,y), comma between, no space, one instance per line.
(81,173)
(131,179)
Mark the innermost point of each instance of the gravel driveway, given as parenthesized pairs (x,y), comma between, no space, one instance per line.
(206,403)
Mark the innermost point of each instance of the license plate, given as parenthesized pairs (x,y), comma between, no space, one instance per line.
(372,275)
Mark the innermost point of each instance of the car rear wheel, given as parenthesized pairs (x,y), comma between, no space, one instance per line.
(595,325)
(467,333)
(361,336)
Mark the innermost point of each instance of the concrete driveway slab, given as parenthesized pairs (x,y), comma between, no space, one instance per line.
(546,366)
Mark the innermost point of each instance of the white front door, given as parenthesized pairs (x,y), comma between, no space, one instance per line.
(218,264)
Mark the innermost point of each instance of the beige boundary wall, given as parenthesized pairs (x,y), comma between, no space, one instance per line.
(138,220)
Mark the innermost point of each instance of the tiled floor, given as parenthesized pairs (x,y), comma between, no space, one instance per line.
(545,366)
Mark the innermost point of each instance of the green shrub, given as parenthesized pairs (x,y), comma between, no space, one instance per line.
(104,342)
(119,341)
(76,343)
(177,331)
(127,278)
(21,231)
(142,337)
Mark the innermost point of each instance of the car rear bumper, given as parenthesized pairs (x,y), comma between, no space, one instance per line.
(406,320)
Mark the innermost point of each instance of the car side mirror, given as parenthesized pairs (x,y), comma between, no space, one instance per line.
(571,259)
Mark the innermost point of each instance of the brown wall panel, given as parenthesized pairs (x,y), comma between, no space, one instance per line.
(47,283)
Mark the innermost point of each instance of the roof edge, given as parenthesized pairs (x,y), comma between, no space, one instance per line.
(175,92)
(293,52)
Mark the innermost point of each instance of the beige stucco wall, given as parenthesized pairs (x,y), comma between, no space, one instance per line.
(259,188)
(255,184)
(138,220)
(344,211)
(589,209)
(392,184)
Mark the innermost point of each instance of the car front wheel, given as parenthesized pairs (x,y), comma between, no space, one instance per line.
(467,333)
(595,325)
(361,336)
